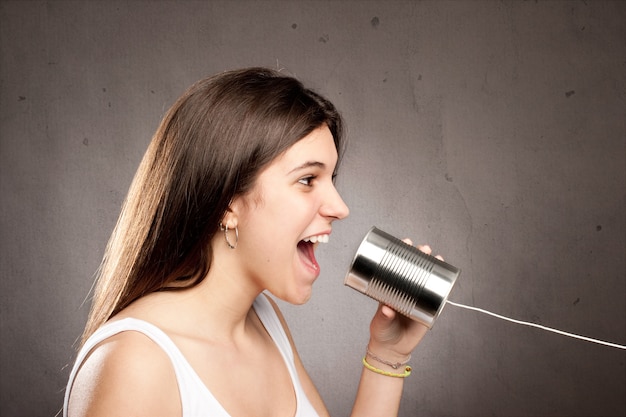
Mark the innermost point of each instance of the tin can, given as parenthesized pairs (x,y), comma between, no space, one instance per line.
(401,276)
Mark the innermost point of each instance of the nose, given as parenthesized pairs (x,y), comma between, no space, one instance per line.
(334,206)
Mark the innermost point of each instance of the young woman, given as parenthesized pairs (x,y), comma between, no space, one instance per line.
(230,202)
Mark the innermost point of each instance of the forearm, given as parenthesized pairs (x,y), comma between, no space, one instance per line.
(392,339)
(378,395)
(386,365)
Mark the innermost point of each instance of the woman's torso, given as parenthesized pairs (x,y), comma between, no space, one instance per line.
(211,379)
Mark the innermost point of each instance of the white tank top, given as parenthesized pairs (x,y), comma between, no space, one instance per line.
(196,399)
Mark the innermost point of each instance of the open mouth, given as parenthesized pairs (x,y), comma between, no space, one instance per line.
(306,249)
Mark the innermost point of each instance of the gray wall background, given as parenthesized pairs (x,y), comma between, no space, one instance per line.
(495,131)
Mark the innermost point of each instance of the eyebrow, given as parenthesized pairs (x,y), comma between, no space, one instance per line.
(309,164)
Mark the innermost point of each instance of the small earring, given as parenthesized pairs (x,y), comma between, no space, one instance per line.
(224,228)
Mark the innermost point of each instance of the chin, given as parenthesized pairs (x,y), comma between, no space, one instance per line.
(294,298)
(300,298)
(303,300)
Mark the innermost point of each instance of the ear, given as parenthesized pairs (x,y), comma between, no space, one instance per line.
(229,220)
(232,214)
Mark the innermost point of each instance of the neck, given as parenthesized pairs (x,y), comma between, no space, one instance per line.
(223,300)
(217,309)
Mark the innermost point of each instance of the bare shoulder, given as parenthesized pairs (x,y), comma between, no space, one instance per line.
(127,374)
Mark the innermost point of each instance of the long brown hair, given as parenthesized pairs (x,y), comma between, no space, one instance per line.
(209,148)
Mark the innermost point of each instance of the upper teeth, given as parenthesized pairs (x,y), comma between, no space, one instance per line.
(318,238)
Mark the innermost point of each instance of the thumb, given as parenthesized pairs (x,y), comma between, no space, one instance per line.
(385,326)
(387,312)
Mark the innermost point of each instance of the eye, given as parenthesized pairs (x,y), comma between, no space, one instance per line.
(307,180)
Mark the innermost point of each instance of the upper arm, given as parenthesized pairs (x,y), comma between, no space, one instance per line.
(305,380)
(127,374)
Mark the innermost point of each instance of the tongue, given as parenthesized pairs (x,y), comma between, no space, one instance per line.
(308,254)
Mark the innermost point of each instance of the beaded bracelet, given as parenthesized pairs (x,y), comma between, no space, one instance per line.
(394,365)
(407,370)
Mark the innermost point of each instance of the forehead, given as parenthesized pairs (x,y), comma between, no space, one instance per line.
(316,147)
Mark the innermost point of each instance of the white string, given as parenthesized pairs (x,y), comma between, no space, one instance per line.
(525,323)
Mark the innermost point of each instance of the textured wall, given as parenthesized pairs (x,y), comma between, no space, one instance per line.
(495,131)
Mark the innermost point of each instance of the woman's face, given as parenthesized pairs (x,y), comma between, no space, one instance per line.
(287,215)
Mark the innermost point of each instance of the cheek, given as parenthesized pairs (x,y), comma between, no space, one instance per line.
(282,209)
(276,218)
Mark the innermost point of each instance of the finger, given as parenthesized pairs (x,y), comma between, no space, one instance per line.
(408,241)
(439,257)
(388,312)
(425,248)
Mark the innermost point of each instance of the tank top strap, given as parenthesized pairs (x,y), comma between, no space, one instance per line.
(266,313)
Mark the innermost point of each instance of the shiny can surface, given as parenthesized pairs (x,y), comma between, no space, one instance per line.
(401,276)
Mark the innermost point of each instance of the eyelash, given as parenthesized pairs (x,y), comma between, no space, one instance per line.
(306,181)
